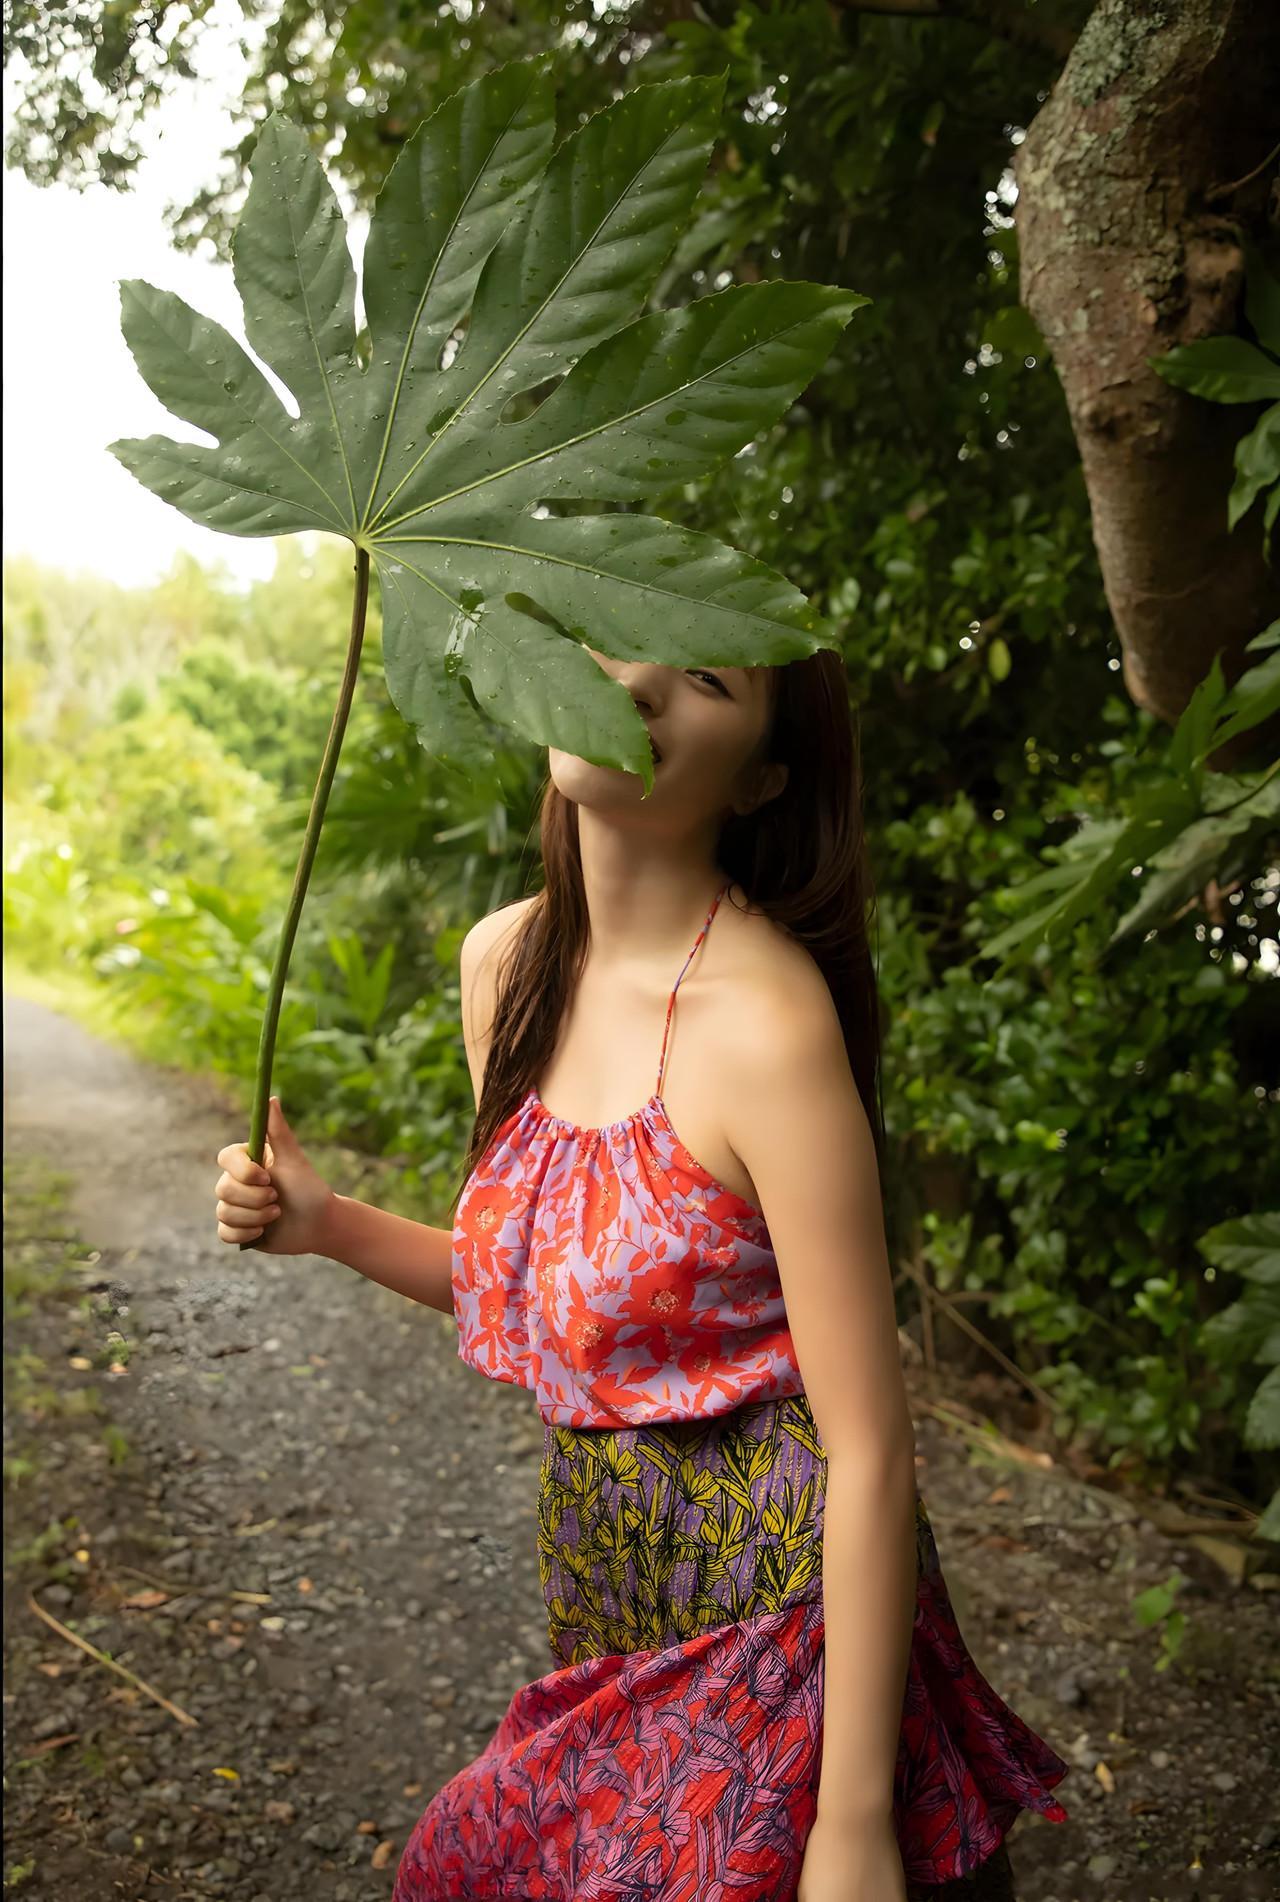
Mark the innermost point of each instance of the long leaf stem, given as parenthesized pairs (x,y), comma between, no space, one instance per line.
(311,839)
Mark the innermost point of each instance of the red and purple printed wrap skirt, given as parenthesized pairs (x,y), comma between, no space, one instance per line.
(673,1753)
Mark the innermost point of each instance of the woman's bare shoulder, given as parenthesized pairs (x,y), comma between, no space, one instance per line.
(765,956)
(495,930)
(479,961)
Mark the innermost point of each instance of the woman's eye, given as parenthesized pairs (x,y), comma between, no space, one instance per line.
(701,673)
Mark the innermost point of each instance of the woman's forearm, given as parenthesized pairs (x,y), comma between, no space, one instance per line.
(869,1599)
(407,1256)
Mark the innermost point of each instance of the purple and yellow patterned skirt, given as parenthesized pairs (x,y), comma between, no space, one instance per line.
(673,1753)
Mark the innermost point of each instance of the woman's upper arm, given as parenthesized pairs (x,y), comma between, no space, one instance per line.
(799,1126)
(478,965)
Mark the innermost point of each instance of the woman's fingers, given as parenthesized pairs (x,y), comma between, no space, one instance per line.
(226,1234)
(244,1194)
(248,1230)
(247,1202)
(235,1160)
(231,1215)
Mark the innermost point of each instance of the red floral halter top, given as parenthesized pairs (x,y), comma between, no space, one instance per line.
(609,1272)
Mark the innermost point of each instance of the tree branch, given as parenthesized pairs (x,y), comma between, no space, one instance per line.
(1003,21)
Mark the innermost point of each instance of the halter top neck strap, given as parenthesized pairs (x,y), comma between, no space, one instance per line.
(671,1001)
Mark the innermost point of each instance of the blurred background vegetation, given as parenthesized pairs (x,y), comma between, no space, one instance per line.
(1065,1126)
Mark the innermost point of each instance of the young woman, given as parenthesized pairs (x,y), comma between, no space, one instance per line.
(760,1693)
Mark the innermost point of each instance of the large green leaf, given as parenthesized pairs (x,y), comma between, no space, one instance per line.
(1210,847)
(510,386)
(1247,1245)
(1224,369)
(1257,460)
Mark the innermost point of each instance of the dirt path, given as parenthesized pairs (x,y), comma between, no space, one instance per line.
(289,1432)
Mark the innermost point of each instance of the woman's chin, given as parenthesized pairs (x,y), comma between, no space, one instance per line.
(590,785)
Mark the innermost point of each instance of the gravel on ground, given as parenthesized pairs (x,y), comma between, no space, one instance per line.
(271,1492)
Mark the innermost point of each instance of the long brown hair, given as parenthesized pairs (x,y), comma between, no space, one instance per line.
(801,857)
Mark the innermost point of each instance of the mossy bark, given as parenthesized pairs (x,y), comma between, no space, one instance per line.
(1137,181)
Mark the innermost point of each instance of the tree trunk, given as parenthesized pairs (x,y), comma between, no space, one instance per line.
(1152,157)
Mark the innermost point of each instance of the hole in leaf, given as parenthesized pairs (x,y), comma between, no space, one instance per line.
(525,403)
(453,342)
(525,604)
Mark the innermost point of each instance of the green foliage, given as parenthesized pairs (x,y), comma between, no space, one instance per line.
(171,903)
(161,793)
(358,1062)
(1158,1607)
(114,824)
(367,985)
(1223,370)
(1234,370)
(1248,1332)
(1064,1128)
(74,642)
(272,724)
(1182,824)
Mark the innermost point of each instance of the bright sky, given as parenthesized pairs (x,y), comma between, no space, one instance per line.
(71,385)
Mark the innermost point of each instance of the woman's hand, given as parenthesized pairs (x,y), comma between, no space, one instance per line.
(852,1862)
(285,1202)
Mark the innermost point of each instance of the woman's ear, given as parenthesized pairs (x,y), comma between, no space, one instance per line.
(770,781)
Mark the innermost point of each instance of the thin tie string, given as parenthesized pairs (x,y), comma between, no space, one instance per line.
(671,1001)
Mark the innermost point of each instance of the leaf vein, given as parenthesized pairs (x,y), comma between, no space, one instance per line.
(319,354)
(466,401)
(566,561)
(426,292)
(610,422)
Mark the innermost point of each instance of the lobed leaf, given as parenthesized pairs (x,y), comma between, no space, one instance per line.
(496,267)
